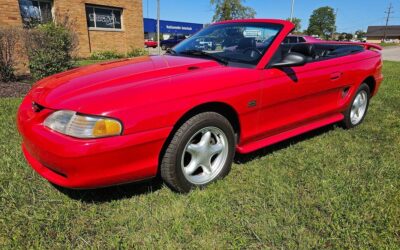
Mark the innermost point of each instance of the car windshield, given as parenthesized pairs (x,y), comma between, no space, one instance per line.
(244,43)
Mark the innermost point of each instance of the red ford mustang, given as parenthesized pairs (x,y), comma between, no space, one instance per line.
(232,87)
(150,44)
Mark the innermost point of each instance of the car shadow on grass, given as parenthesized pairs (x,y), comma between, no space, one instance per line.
(127,191)
(108,194)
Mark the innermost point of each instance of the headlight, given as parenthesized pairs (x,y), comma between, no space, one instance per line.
(82,126)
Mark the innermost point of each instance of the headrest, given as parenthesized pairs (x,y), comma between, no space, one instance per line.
(247,42)
(303,48)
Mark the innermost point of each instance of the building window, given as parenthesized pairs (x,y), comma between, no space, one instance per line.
(36,11)
(103,17)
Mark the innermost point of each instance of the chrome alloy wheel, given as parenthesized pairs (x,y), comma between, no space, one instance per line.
(205,155)
(359,107)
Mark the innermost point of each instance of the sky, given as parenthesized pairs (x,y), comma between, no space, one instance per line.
(352,14)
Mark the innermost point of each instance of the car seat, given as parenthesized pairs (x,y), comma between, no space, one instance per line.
(305,49)
(246,43)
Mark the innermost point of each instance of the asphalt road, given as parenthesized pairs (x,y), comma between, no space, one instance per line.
(391,53)
(154,51)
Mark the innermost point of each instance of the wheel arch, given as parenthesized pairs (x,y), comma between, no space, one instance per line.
(371,82)
(221,108)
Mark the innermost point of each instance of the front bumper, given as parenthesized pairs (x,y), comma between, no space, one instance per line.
(78,163)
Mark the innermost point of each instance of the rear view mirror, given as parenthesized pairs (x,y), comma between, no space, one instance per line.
(291,59)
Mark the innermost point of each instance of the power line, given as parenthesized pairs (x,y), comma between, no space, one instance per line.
(388,12)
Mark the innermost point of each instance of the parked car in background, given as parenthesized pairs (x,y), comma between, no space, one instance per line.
(150,44)
(232,87)
(300,39)
(172,41)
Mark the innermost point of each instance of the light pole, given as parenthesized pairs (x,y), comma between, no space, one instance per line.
(291,11)
(147,8)
(158,27)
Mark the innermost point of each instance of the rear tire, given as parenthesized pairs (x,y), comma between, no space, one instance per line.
(201,151)
(357,110)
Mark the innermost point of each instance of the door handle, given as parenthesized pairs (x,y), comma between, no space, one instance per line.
(336,76)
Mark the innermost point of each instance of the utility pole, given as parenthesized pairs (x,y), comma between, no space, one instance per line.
(291,11)
(158,27)
(388,12)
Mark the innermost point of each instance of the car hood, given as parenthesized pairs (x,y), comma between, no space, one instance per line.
(81,87)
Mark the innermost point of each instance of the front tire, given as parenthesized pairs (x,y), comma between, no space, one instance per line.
(357,110)
(200,152)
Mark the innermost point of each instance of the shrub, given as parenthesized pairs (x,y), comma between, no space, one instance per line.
(134,52)
(8,42)
(106,55)
(50,47)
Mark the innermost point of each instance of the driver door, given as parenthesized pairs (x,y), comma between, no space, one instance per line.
(292,97)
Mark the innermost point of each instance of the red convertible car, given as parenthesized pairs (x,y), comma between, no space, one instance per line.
(150,44)
(232,87)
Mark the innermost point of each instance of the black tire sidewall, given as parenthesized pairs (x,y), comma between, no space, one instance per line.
(207,120)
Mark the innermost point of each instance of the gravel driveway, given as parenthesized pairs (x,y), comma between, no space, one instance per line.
(391,53)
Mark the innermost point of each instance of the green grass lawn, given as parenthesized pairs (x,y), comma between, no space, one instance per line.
(328,189)
(85,62)
(389,44)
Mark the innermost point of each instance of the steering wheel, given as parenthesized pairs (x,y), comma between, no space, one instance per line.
(252,49)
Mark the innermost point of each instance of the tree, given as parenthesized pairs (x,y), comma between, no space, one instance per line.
(297,23)
(231,9)
(360,34)
(342,36)
(349,36)
(322,22)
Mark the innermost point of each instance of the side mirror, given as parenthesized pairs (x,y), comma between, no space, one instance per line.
(291,59)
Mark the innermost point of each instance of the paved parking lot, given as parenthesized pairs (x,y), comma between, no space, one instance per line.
(154,51)
(391,53)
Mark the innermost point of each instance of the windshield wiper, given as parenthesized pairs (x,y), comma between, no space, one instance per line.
(204,54)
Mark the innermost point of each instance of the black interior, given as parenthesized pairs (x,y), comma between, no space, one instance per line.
(246,43)
(316,51)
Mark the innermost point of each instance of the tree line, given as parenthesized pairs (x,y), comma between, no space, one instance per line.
(322,22)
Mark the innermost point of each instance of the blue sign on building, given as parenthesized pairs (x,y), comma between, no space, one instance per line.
(171,27)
